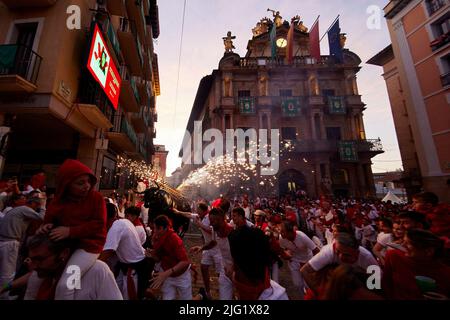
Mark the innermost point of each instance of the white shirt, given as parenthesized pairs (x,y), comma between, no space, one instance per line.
(144,215)
(97,283)
(247,212)
(327,256)
(224,246)
(275,292)
(301,248)
(123,238)
(329,236)
(141,234)
(369,233)
(207,236)
(372,215)
(383,239)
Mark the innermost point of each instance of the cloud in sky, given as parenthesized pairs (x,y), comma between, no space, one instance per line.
(206,22)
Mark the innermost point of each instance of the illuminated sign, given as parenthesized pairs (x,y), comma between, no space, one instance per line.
(102,68)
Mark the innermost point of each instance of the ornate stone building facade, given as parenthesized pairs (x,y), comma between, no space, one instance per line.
(314,104)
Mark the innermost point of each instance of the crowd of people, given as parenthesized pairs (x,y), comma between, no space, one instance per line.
(79,244)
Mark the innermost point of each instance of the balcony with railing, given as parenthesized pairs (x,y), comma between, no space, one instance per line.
(154,18)
(440,41)
(370,145)
(144,92)
(311,146)
(148,65)
(131,46)
(136,13)
(16,4)
(138,120)
(122,136)
(143,150)
(435,5)
(445,79)
(19,68)
(93,103)
(147,117)
(129,95)
(113,40)
(155,78)
(264,62)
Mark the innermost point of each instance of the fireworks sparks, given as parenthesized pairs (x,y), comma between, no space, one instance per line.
(139,169)
(143,171)
(225,171)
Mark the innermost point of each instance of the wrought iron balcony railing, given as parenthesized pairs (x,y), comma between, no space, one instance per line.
(16,59)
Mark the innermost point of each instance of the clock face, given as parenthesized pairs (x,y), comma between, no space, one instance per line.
(281,42)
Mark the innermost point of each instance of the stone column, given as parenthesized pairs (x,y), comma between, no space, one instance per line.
(361,179)
(353,126)
(361,125)
(322,127)
(227,85)
(313,127)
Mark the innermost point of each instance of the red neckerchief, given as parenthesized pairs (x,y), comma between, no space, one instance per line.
(226,231)
(137,222)
(47,289)
(250,291)
(158,242)
(262,225)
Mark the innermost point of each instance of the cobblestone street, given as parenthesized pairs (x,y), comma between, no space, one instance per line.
(194,239)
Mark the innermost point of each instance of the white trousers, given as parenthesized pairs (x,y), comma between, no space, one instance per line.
(9,251)
(297,279)
(181,284)
(225,287)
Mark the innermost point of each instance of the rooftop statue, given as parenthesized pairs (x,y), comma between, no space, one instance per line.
(277,18)
(261,27)
(228,42)
(299,24)
(343,38)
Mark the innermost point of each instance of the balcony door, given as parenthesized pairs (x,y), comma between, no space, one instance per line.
(26,34)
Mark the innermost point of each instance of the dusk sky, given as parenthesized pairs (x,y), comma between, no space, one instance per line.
(207,21)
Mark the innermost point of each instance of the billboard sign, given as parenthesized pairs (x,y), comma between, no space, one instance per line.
(103,69)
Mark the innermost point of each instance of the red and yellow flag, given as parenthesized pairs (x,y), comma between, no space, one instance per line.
(314,41)
(290,45)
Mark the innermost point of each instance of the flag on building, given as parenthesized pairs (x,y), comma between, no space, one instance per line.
(290,107)
(273,40)
(334,41)
(314,41)
(247,105)
(336,105)
(347,151)
(290,45)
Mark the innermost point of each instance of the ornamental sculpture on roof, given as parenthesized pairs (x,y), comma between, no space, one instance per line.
(264,25)
(277,18)
(261,27)
(298,24)
(228,42)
